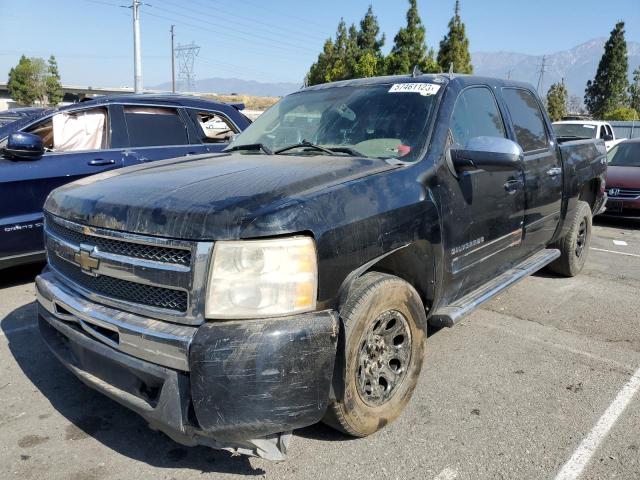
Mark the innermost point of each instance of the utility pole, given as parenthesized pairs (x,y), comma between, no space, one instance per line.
(541,77)
(137,61)
(173,63)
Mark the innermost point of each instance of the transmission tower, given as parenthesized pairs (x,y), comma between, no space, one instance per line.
(186,56)
(542,67)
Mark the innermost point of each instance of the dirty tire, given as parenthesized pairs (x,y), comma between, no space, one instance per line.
(574,246)
(388,305)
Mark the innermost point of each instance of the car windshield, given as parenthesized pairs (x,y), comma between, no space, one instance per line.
(575,130)
(380,121)
(625,155)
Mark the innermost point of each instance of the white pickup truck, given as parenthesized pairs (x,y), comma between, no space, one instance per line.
(579,129)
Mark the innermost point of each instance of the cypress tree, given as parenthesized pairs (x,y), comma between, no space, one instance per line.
(53,87)
(608,91)
(333,63)
(557,99)
(370,61)
(454,47)
(634,91)
(320,71)
(409,48)
(354,53)
(340,67)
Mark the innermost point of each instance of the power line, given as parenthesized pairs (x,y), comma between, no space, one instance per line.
(270,9)
(256,47)
(276,42)
(302,34)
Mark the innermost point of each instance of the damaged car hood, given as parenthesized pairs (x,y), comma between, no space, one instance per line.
(205,197)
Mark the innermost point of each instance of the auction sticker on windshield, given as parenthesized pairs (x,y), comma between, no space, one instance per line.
(424,89)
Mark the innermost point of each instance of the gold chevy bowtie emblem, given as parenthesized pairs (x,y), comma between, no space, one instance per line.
(86,261)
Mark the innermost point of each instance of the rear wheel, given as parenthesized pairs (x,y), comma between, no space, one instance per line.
(382,354)
(574,246)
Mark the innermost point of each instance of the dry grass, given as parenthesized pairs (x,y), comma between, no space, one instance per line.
(250,102)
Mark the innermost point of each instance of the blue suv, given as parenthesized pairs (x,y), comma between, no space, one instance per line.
(56,146)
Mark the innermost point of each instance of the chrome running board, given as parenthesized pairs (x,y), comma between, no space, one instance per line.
(449,315)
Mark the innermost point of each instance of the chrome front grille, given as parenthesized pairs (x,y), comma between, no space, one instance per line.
(125,290)
(623,193)
(156,277)
(122,247)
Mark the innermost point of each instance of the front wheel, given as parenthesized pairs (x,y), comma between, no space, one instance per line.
(384,344)
(574,246)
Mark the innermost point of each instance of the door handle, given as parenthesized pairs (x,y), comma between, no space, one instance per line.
(553,172)
(97,162)
(511,186)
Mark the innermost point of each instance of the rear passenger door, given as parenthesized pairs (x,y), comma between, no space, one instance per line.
(542,167)
(156,133)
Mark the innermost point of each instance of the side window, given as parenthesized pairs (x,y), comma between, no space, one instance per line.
(44,130)
(154,126)
(74,131)
(527,118)
(475,114)
(216,128)
(603,131)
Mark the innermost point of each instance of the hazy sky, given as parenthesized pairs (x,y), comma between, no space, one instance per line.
(274,40)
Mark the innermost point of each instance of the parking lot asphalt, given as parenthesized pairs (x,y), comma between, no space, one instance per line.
(539,383)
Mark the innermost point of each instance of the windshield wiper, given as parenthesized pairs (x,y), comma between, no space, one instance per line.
(306,144)
(348,150)
(250,146)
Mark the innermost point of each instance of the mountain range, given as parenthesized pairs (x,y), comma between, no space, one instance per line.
(224,86)
(576,66)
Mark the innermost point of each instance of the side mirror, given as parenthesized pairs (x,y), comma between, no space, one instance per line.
(607,138)
(493,154)
(24,146)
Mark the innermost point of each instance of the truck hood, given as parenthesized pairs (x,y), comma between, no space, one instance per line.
(204,197)
(623,177)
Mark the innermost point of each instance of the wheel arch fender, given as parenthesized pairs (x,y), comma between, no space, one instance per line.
(413,262)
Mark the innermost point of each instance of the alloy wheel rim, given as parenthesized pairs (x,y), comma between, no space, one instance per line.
(582,238)
(383,358)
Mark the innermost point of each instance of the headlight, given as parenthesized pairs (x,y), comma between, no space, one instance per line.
(262,278)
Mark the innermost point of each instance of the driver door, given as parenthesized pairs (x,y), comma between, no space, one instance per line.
(26,184)
(484,216)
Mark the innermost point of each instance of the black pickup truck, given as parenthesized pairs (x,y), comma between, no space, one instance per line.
(230,299)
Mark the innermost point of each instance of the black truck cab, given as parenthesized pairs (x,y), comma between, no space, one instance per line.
(232,298)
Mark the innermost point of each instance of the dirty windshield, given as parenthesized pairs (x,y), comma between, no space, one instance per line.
(379,121)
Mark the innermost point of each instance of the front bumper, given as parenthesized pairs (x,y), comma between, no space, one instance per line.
(623,208)
(239,385)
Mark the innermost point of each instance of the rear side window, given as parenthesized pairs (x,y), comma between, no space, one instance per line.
(603,131)
(527,118)
(215,128)
(476,114)
(609,131)
(154,126)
